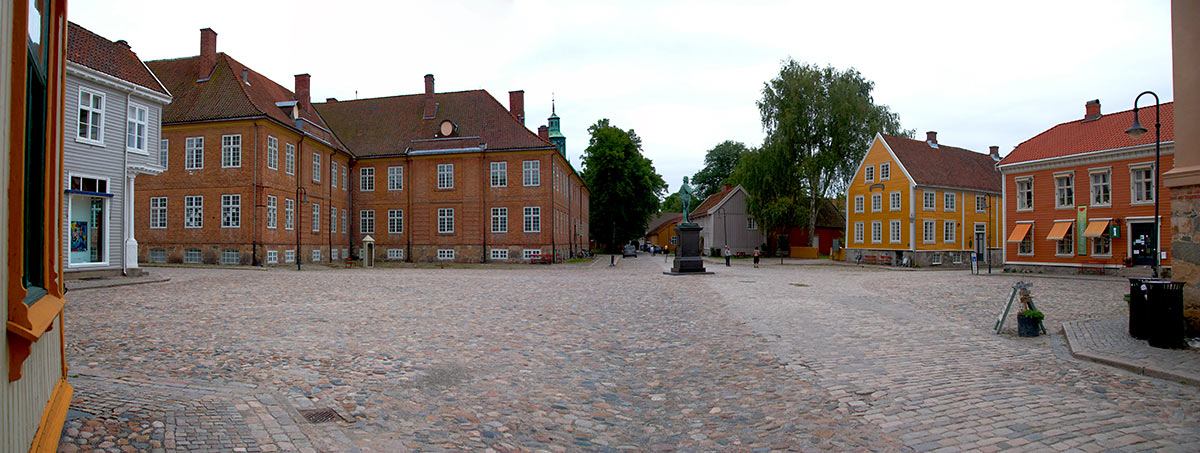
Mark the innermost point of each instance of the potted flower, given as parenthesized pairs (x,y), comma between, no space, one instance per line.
(1029,323)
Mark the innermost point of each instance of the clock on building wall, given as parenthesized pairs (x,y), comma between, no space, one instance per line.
(447,128)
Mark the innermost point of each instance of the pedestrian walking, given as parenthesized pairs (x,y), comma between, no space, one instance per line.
(756,257)
(727,254)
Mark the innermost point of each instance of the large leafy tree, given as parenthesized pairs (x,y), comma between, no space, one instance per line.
(625,187)
(719,163)
(673,203)
(819,123)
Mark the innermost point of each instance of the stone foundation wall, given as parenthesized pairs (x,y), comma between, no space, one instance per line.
(1185,250)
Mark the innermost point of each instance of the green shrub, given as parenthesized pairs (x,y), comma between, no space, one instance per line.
(1033,314)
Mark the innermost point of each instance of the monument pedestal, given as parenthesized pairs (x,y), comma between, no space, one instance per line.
(687,253)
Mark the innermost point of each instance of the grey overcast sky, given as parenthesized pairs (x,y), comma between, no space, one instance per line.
(685,75)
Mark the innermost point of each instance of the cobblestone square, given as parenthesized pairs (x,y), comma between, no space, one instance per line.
(590,357)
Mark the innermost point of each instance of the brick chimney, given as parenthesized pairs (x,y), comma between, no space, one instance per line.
(208,53)
(516,105)
(1091,110)
(302,96)
(544,132)
(726,187)
(931,138)
(994,151)
(430,106)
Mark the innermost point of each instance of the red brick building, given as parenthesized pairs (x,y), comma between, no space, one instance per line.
(257,174)
(1081,194)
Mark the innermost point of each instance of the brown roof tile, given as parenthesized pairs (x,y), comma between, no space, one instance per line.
(711,201)
(392,125)
(1107,132)
(112,58)
(945,166)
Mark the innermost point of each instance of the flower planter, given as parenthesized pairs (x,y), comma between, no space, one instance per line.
(1028,327)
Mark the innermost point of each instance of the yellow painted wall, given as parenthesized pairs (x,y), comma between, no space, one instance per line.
(964,215)
(876,156)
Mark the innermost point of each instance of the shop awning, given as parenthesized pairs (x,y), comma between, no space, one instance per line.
(1020,232)
(1059,231)
(1096,228)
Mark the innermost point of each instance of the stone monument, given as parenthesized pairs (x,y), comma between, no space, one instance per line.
(687,251)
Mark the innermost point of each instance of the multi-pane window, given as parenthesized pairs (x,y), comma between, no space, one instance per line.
(316,171)
(345,219)
(895,232)
(445,218)
(530,253)
(163,156)
(533,219)
(531,174)
(1102,244)
(1025,193)
(395,221)
(858,203)
(193,211)
(366,221)
(272,257)
(394,254)
(876,202)
(1026,245)
(445,176)
(333,254)
(445,254)
(316,255)
(231,151)
(332,219)
(980,203)
(858,232)
(870,174)
(877,231)
(289,214)
(948,231)
(366,179)
(158,212)
(193,153)
(135,128)
(158,255)
(316,217)
(499,220)
(750,224)
(894,201)
(345,177)
(192,256)
(1143,184)
(499,254)
(395,178)
(272,211)
(289,256)
(230,256)
(272,153)
(929,231)
(231,211)
(500,176)
(885,171)
(1101,188)
(1064,191)
(948,203)
(91,115)
(289,159)
(1066,245)
(930,200)
(333,174)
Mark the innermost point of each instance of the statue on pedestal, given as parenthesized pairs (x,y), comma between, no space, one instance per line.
(686,192)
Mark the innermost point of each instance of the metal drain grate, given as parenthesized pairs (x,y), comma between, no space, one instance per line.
(325,415)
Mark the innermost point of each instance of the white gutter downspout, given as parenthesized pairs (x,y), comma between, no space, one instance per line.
(128,196)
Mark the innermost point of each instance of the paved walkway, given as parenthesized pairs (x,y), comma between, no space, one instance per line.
(1107,341)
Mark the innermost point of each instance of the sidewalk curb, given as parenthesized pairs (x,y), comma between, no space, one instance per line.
(116,284)
(1077,351)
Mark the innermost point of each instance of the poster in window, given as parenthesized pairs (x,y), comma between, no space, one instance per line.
(79,236)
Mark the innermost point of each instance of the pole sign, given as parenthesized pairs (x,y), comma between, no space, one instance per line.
(1080,225)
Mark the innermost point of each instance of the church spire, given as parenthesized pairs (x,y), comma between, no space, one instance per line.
(556,136)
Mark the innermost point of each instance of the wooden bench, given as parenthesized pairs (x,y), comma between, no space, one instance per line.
(541,259)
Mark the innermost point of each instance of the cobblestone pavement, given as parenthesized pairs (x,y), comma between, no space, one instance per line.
(1107,341)
(568,357)
(914,354)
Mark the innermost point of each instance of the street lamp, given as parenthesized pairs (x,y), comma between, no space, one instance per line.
(1135,132)
(301,198)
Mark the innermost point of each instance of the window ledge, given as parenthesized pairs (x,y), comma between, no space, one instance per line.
(40,317)
(1106,205)
(1142,203)
(138,151)
(99,143)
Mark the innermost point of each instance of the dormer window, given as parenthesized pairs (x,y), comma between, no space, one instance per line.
(447,128)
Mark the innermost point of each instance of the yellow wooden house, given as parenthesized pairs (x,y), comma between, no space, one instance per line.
(920,203)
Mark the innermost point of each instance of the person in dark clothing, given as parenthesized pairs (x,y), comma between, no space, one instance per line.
(727,254)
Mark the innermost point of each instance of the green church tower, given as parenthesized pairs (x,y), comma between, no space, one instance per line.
(556,136)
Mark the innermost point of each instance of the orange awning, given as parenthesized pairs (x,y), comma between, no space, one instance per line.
(1020,232)
(1059,231)
(1095,228)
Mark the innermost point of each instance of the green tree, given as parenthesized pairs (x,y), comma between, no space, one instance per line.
(673,203)
(819,123)
(625,187)
(719,163)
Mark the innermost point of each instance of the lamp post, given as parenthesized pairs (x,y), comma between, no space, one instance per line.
(1135,131)
(301,198)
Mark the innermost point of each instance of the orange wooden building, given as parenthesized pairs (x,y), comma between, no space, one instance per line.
(1081,194)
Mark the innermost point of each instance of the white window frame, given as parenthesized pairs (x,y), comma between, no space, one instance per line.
(858,232)
(333,253)
(531,173)
(500,220)
(272,257)
(527,254)
(877,202)
(395,178)
(859,202)
(333,178)
(445,218)
(231,210)
(272,212)
(316,167)
(980,203)
(929,231)
(289,159)
(231,151)
(885,171)
(499,254)
(1093,186)
(92,112)
(869,174)
(894,230)
(158,213)
(1027,240)
(395,221)
(193,211)
(499,174)
(316,217)
(366,179)
(394,254)
(231,257)
(289,256)
(333,220)
(289,214)
(1105,239)
(1069,241)
(445,254)
(164,153)
(193,153)
(1024,195)
(1135,171)
(193,256)
(1060,201)
(345,222)
(158,255)
(949,232)
(366,221)
(445,176)
(345,184)
(936,260)
(532,219)
(137,128)
(895,200)
(272,152)
(751,224)
(876,231)
(949,201)
(316,255)
(928,200)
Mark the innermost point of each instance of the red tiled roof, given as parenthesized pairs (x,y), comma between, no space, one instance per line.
(389,125)
(663,220)
(945,166)
(710,202)
(1107,132)
(226,96)
(117,60)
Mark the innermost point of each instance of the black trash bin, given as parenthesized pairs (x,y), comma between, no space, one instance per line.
(1139,309)
(1166,314)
